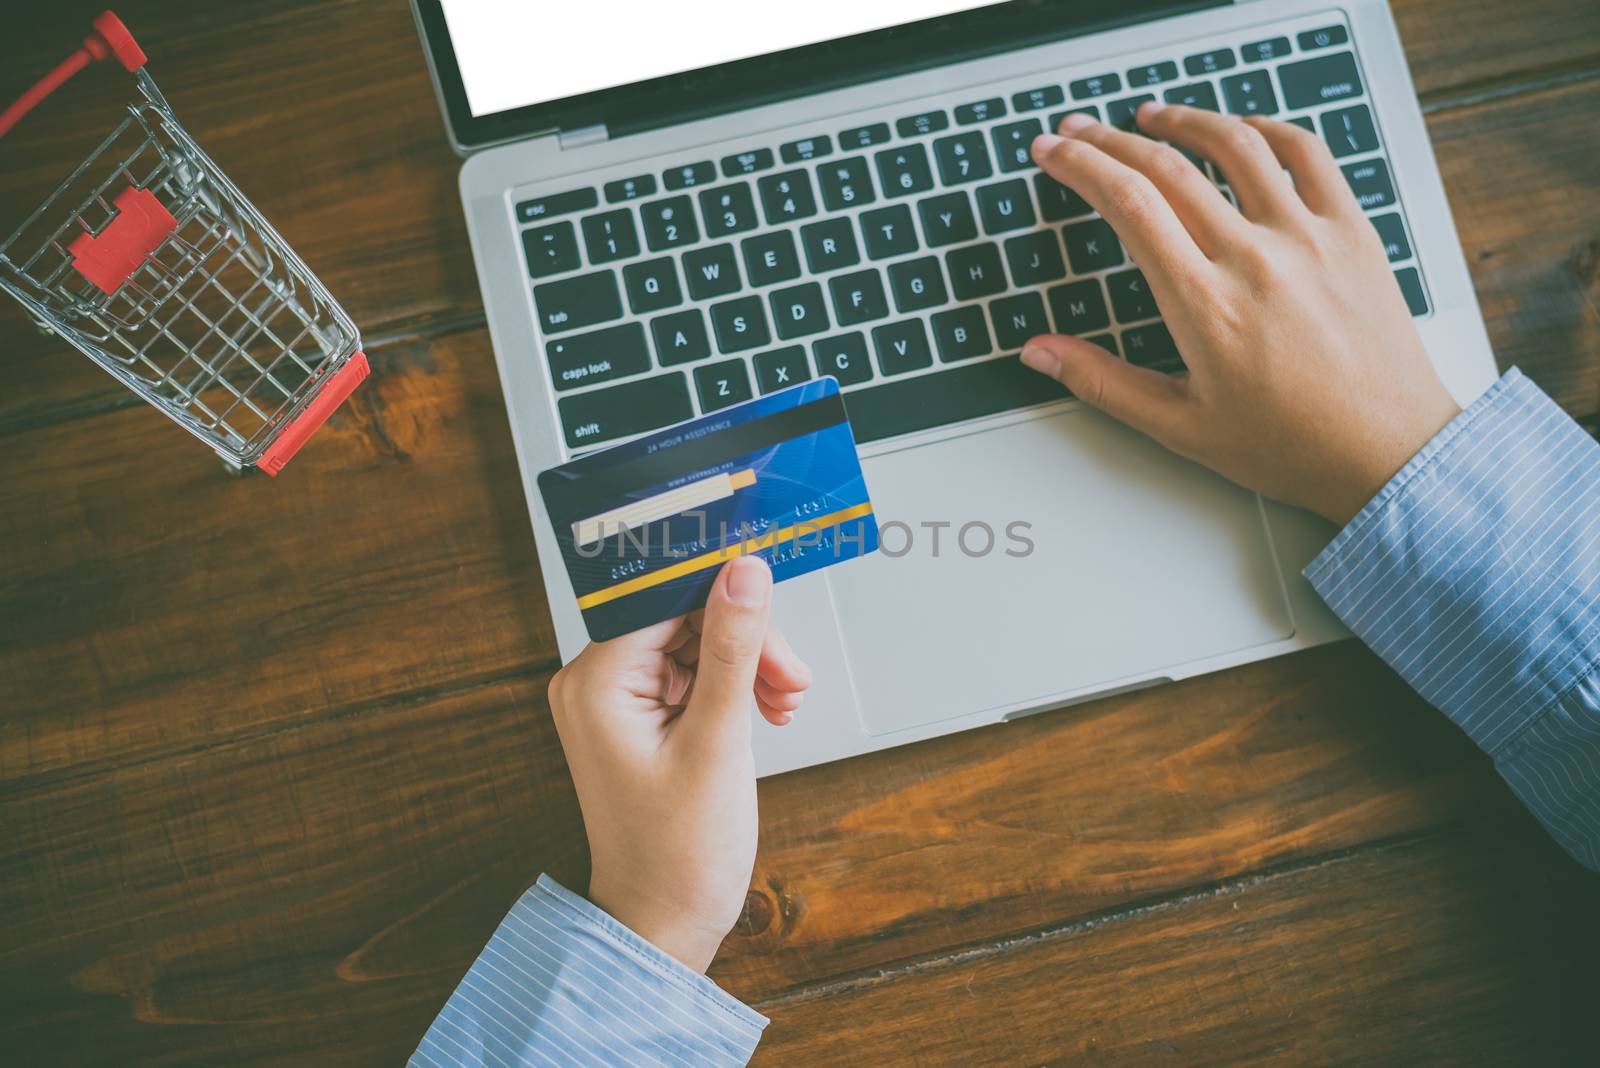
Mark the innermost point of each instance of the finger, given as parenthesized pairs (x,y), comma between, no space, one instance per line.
(1310,163)
(776,707)
(780,666)
(1147,401)
(1252,171)
(731,637)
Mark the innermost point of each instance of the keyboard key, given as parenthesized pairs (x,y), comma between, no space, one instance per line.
(759,159)
(1046,96)
(864,136)
(962,158)
(902,347)
(947,219)
(921,402)
(574,303)
(808,148)
(922,124)
(690,174)
(1250,94)
(980,111)
(1105,341)
(711,272)
(962,333)
(1210,62)
(585,359)
(643,185)
(917,284)
(1130,296)
(739,325)
(1079,307)
(680,337)
(844,357)
(1304,122)
(787,197)
(781,368)
(770,258)
(1091,110)
(1152,346)
(845,183)
(903,171)
(556,204)
(858,298)
(651,285)
(1349,131)
(888,232)
(1122,113)
(728,210)
(669,223)
(551,250)
(1370,182)
(1016,319)
(1411,285)
(1261,51)
(1392,232)
(799,311)
(1092,246)
(1198,95)
(1099,85)
(1005,206)
(1152,74)
(610,236)
(721,384)
(1035,258)
(975,271)
(830,245)
(1056,201)
(1012,141)
(1323,80)
(620,411)
(1326,37)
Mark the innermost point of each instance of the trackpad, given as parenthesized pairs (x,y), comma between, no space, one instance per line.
(1042,558)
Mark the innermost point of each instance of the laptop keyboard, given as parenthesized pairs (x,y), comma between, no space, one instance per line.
(908,258)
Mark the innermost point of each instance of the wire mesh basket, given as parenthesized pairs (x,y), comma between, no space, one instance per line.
(149,261)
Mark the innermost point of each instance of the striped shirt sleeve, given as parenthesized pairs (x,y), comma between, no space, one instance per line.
(563,983)
(1475,573)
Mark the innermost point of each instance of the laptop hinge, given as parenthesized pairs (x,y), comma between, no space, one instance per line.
(586,135)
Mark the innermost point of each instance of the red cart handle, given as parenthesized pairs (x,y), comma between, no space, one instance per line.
(108,38)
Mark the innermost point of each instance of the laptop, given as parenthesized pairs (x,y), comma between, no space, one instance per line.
(677,207)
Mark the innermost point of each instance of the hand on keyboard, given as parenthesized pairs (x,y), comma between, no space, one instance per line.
(1307,380)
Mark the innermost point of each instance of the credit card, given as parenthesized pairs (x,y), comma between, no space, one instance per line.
(644,527)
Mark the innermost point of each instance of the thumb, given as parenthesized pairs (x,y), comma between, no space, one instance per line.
(731,636)
(1148,401)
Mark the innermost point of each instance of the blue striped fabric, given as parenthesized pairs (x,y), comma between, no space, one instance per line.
(1475,574)
(562,983)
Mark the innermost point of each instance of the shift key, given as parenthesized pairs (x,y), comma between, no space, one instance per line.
(1320,81)
(619,411)
(578,302)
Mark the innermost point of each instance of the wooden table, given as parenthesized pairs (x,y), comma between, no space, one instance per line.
(275,756)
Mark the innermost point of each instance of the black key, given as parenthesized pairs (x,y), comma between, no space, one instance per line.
(669,223)
(980,111)
(721,384)
(902,347)
(808,148)
(1092,246)
(643,185)
(1261,51)
(1105,341)
(578,302)
(1016,319)
(585,359)
(844,357)
(888,232)
(1326,37)
(1198,95)
(1005,206)
(962,333)
(1392,232)
(917,284)
(620,411)
(1250,93)
(1349,131)
(1370,182)
(864,136)
(680,337)
(962,158)
(1121,113)
(787,197)
(556,204)
(1099,85)
(858,298)
(799,311)
(1210,62)
(1056,201)
(1046,96)
(1152,74)
(1323,80)
(845,183)
(1130,296)
(1011,143)
(781,368)
(920,402)
(1304,122)
(1411,285)
(739,325)
(728,210)
(1091,110)
(550,250)
(610,236)
(1079,307)
(947,219)
(975,271)
(770,258)
(757,159)
(830,245)
(712,272)
(651,285)
(1152,346)
(690,174)
(903,171)
(923,124)
(1035,258)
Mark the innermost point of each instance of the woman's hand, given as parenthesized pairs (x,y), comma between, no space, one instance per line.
(1307,379)
(656,728)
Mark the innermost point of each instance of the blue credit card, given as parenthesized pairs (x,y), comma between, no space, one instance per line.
(644,527)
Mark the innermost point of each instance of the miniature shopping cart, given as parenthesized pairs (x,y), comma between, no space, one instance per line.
(152,264)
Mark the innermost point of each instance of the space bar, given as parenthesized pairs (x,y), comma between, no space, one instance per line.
(944,397)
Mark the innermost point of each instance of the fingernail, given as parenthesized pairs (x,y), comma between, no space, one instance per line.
(1044,143)
(1040,359)
(1150,107)
(1075,122)
(749,580)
